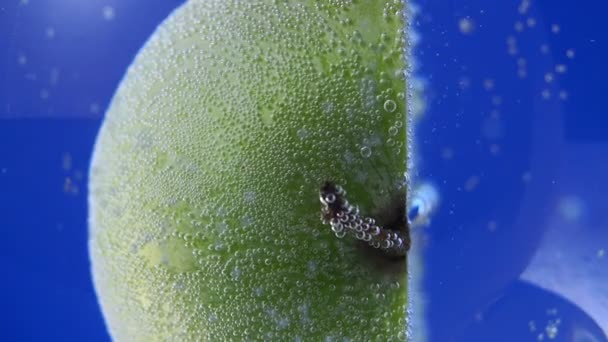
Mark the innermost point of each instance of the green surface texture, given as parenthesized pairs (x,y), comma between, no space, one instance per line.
(204,189)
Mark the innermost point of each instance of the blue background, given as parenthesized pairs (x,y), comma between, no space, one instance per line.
(520,175)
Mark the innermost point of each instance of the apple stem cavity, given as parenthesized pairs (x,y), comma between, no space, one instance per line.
(345,219)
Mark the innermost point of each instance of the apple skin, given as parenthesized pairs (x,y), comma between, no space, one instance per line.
(204,184)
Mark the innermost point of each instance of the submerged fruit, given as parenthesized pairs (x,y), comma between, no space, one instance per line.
(204,195)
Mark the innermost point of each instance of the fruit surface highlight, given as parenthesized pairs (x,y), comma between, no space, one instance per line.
(205,220)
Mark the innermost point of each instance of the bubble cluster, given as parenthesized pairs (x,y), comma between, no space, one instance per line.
(205,176)
(345,218)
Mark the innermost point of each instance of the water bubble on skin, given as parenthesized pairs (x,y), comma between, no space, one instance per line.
(337,228)
(302,133)
(283,323)
(249,196)
(390,106)
(328,107)
(366,151)
(330,198)
(236,273)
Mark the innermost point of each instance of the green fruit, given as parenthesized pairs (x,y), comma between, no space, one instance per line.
(204,195)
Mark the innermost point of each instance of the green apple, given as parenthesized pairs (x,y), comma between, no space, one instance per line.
(205,219)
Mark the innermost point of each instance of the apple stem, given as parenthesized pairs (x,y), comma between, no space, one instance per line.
(345,218)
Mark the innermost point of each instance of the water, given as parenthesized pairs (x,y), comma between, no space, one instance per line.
(511,151)
(512,140)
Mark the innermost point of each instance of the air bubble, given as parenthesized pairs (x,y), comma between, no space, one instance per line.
(366,151)
(338,228)
(236,273)
(330,198)
(302,133)
(390,106)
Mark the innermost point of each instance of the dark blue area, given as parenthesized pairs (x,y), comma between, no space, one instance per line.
(46,292)
(505,135)
(582,33)
(60,62)
(71,52)
(513,316)
(491,142)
